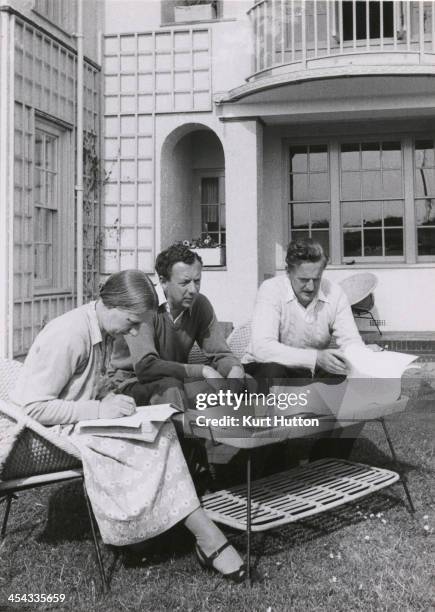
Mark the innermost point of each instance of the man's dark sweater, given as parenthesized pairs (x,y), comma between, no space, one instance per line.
(162,346)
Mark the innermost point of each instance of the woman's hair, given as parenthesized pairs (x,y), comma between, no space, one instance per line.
(130,290)
(304,250)
(172,255)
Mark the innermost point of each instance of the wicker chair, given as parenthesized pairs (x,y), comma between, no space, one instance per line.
(238,340)
(32,456)
(197,355)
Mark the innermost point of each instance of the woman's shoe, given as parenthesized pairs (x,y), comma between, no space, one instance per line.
(238,576)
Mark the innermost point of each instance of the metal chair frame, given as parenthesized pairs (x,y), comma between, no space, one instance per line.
(37,458)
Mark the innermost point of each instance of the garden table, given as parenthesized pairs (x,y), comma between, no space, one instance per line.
(297,493)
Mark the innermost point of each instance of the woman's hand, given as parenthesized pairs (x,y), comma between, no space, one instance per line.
(114,406)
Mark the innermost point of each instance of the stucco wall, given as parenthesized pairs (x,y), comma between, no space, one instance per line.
(177,186)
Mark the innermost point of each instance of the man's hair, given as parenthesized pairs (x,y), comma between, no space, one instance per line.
(130,290)
(172,255)
(303,250)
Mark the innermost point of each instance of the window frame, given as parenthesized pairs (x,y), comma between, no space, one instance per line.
(63,238)
(363,259)
(312,201)
(336,257)
(200,174)
(420,258)
(167,13)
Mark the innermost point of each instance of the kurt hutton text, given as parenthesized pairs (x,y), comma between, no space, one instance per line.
(276,420)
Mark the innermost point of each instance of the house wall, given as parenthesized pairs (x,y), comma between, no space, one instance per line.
(401,287)
(38,80)
(404,296)
(203,61)
(93,22)
(239,277)
(177,184)
(182,100)
(6,186)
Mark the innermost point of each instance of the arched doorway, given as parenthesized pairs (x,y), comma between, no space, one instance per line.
(192,186)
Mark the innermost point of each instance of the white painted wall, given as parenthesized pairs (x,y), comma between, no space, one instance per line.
(404,297)
(176,194)
(232,57)
(125,16)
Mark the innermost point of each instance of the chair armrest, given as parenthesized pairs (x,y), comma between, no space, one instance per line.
(30,448)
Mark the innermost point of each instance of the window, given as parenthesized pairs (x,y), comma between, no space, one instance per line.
(372,199)
(362,9)
(310,193)
(353,197)
(51,231)
(212,202)
(182,11)
(424,161)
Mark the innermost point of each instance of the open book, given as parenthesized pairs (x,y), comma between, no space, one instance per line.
(143,425)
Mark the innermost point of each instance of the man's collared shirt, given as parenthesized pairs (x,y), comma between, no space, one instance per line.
(285,332)
(163,303)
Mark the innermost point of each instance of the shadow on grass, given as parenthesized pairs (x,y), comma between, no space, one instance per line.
(366,451)
(306,531)
(67,519)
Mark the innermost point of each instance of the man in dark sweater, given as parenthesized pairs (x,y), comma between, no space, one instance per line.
(159,353)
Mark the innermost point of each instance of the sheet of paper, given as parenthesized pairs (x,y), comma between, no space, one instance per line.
(364,363)
(141,420)
(133,421)
(374,378)
(157,412)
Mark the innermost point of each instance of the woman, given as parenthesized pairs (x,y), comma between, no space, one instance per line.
(137,489)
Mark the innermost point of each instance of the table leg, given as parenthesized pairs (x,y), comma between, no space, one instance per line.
(248,516)
(397,467)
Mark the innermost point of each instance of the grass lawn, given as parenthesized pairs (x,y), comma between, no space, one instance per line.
(371,555)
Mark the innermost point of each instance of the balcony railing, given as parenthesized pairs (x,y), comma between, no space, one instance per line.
(301,34)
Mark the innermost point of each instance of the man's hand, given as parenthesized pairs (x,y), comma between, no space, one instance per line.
(236,378)
(209,372)
(213,377)
(236,372)
(332,361)
(116,406)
